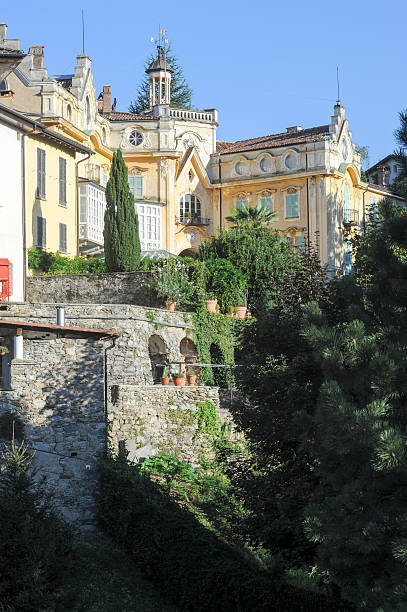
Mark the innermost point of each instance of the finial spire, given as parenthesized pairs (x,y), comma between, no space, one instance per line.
(337,82)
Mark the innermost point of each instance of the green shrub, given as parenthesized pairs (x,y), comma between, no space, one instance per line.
(226,282)
(36,547)
(199,571)
(55,263)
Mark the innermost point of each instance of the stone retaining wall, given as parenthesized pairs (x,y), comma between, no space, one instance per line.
(112,288)
(152,419)
(61,404)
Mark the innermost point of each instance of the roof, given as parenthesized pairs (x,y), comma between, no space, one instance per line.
(41,130)
(159,63)
(64,79)
(117,116)
(62,329)
(273,140)
(5,52)
(381,162)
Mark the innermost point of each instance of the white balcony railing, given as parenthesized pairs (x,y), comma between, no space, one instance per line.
(178,113)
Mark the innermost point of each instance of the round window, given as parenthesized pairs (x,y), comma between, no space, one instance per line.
(136,138)
(240,168)
(290,161)
(266,164)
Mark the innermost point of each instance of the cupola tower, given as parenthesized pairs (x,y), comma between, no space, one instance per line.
(160,84)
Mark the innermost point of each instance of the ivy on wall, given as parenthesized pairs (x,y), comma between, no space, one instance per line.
(216,337)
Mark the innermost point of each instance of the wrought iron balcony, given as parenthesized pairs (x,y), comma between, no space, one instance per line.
(193,220)
(350,217)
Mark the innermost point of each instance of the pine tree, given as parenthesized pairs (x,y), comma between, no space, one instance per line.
(121,232)
(400,183)
(181,92)
(358,519)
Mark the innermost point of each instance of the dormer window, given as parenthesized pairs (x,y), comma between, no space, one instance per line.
(136,138)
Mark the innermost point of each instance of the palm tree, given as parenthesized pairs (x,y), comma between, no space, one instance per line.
(250,214)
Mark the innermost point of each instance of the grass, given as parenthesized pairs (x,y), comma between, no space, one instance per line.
(108,581)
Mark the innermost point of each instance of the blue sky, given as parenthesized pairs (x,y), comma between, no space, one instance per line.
(264,64)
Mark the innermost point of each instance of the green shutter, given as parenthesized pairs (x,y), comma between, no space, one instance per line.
(268,203)
(291,205)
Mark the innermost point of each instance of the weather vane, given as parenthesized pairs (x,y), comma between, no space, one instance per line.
(161,40)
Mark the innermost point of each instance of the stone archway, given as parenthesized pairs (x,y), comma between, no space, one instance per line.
(158,352)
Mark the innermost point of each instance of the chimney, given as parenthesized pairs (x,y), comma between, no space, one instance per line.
(294,129)
(38,56)
(3,32)
(104,99)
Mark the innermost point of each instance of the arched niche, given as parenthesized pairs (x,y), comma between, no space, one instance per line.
(188,351)
(158,352)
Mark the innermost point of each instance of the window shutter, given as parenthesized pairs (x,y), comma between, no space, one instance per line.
(268,203)
(41,231)
(301,242)
(41,173)
(62,181)
(291,205)
(240,204)
(62,238)
(138,187)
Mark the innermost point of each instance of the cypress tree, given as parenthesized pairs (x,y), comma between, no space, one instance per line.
(121,232)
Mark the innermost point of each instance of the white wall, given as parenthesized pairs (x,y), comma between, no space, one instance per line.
(11,222)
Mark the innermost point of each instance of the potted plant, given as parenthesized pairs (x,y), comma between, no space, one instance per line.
(211,303)
(241,308)
(191,378)
(3,350)
(165,379)
(177,379)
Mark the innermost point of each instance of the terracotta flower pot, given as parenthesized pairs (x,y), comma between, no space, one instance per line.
(241,312)
(170,305)
(177,380)
(165,380)
(191,380)
(211,305)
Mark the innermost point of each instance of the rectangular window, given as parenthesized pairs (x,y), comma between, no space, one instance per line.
(136,184)
(240,204)
(301,242)
(105,178)
(373,209)
(41,232)
(346,205)
(62,181)
(291,205)
(62,238)
(149,219)
(41,173)
(268,203)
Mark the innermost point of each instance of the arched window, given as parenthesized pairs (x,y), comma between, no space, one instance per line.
(189,207)
(69,112)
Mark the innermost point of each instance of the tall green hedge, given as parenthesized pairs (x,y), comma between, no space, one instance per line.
(188,562)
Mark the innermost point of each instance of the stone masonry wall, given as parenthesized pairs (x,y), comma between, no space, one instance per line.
(128,359)
(112,288)
(62,405)
(149,420)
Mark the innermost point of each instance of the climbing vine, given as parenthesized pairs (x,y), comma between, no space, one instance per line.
(222,334)
(207,419)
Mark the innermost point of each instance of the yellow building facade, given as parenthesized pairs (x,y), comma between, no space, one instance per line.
(185,182)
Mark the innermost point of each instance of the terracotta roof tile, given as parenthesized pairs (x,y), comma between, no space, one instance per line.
(117,116)
(273,140)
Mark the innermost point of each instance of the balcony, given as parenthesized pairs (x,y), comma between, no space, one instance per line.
(92,205)
(350,217)
(196,220)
